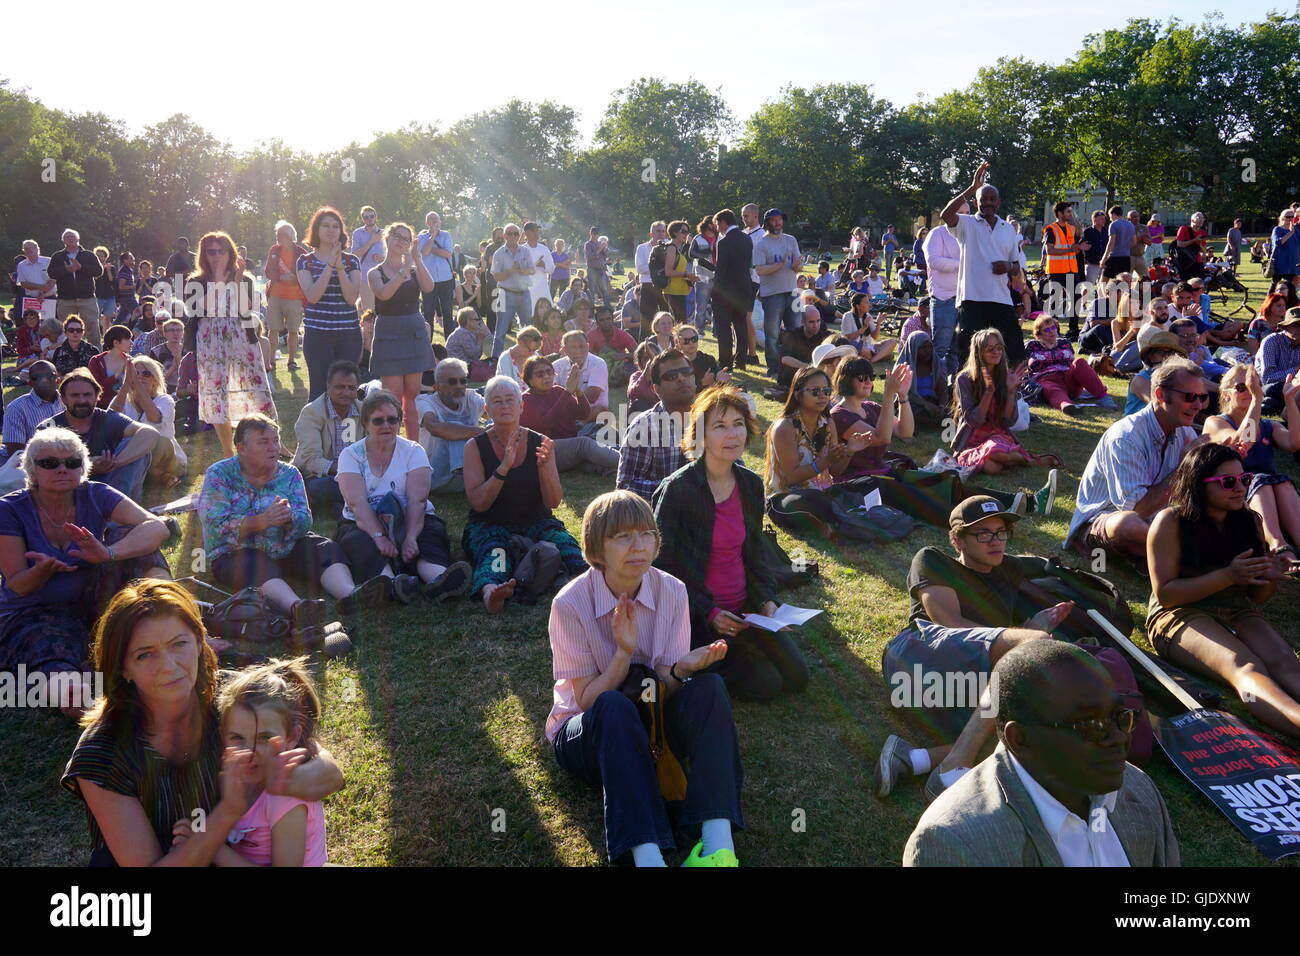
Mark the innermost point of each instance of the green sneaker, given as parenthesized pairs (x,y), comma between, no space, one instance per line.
(1045,497)
(716,858)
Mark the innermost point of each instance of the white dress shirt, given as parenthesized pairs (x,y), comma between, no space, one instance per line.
(642,261)
(1091,842)
(942,262)
(981,246)
(540,280)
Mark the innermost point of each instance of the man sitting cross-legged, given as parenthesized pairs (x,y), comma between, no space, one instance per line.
(962,620)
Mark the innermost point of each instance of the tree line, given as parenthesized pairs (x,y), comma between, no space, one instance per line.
(1143,112)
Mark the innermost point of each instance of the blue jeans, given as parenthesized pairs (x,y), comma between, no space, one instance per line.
(324,496)
(128,479)
(778,315)
(512,304)
(598,285)
(943,319)
(607,746)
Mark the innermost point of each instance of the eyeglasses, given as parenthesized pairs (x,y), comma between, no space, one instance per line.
(1228,482)
(988,537)
(456,381)
(396,237)
(1200,398)
(1051,328)
(1095,730)
(49,464)
(673,374)
(628,538)
(144,373)
(382,420)
(818,390)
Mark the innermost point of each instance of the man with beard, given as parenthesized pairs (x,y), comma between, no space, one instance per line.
(120,449)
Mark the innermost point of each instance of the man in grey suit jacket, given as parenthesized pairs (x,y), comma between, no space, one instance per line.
(1057,791)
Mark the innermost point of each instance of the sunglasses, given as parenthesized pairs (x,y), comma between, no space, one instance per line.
(688,340)
(386,420)
(673,374)
(1241,387)
(49,464)
(144,373)
(1096,729)
(1051,328)
(216,251)
(1199,398)
(73,328)
(818,390)
(1228,482)
(456,381)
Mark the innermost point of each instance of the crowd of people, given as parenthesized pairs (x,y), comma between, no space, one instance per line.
(673,582)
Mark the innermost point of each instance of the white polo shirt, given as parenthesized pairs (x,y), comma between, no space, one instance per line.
(594,372)
(642,261)
(981,246)
(37,272)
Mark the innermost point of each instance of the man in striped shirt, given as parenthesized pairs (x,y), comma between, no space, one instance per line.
(21,418)
(1129,475)
(651,449)
(1277,359)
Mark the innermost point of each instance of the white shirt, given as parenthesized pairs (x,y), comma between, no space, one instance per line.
(408,456)
(539,283)
(594,372)
(875,286)
(942,261)
(642,261)
(37,272)
(166,428)
(1080,843)
(981,246)
(757,230)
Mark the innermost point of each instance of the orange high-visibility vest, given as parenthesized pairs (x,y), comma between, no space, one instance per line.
(1057,234)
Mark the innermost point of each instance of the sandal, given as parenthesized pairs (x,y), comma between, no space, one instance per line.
(1049,460)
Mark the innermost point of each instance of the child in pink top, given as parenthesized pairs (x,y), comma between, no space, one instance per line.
(268,709)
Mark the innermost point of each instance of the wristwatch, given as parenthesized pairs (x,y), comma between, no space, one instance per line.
(378,534)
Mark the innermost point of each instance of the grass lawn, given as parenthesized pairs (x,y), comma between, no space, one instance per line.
(437,716)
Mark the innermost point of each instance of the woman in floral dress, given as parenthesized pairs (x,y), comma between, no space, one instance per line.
(221,331)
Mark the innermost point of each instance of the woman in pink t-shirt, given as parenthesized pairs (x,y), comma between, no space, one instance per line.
(267,709)
(710,514)
(613,628)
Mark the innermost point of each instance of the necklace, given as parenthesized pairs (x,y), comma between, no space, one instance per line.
(72,512)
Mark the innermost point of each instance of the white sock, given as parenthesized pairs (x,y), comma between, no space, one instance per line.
(647,854)
(920,761)
(716,835)
(949,777)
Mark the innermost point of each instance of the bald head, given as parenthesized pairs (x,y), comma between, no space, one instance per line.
(988,199)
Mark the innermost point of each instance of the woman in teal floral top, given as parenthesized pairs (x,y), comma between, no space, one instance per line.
(256,530)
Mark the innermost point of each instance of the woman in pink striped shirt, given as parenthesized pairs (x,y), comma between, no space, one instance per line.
(607,627)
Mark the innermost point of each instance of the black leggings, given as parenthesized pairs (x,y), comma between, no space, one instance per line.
(804,510)
(760,665)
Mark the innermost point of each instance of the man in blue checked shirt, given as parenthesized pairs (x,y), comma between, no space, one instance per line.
(1277,359)
(652,447)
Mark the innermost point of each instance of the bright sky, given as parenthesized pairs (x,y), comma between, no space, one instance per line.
(140,66)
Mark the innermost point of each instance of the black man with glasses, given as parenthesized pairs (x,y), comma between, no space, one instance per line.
(1057,790)
(1128,476)
(962,620)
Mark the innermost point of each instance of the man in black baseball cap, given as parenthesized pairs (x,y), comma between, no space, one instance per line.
(963,617)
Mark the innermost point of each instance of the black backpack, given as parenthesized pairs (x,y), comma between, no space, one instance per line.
(783,567)
(658,263)
(244,616)
(1058,582)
